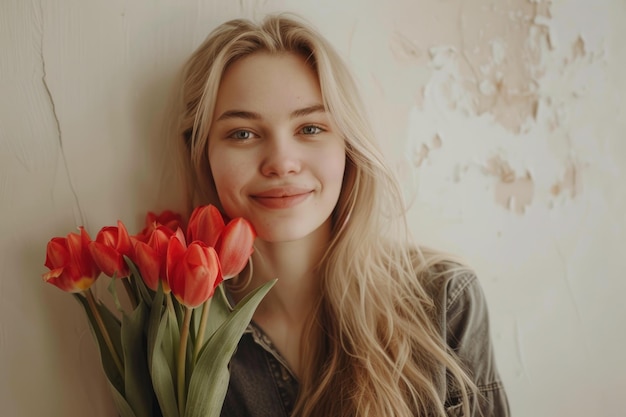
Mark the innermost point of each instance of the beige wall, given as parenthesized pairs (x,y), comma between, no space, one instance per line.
(505,120)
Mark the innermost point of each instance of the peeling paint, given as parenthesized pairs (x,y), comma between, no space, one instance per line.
(422,153)
(441,56)
(437,142)
(502,79)
(578,49)
(511,191)
(537,83)
(570,183)
(419,155)
(517,194)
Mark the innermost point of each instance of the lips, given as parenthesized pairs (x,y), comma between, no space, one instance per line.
(282,197)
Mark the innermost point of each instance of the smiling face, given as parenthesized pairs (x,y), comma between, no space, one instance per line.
(276,158)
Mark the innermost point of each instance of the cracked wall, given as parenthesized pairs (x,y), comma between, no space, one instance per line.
(504,120)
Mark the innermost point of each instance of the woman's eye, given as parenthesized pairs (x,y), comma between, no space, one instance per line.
(241,135)
(312,130)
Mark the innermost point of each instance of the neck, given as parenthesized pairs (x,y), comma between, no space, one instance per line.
(284,311)
(294,264)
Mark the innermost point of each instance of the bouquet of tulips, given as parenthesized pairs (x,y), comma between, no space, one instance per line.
(167,353)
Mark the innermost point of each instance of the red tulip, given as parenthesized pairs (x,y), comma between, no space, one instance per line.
(235,246)
(205,224)
(167,218)
(150,258)
(72,268)
(193,272)
(109,248)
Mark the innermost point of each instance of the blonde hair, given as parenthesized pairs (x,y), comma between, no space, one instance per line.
(380,353)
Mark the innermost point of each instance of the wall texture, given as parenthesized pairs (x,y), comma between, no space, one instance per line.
(504,118)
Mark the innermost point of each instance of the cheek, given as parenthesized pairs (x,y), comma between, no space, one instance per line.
(221,171)
(230,180)
(224,181)
(335,166)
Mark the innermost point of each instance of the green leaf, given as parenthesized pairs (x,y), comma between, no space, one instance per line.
(209,381)
(113,327)
(156,312)
(113,291)
(220,310)
(139,393)
(138,282)
(121,405)
(163,364)
(195,324)
(179,309)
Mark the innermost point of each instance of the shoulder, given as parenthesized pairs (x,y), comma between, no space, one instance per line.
(449,283)
(460,307)
(460,312)
(458,301)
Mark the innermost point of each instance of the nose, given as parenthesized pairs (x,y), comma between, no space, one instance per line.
(282,156)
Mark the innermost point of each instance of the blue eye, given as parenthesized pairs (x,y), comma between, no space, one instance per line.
(241,135)
(311,130)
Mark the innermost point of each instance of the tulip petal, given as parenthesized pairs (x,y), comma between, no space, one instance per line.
(68,279)
(158,243)
(107,236)
(53,273)
(87,266)
(123,244)
(160,239)
(168,219)
(57,253)
(175,251)
(195,274)
(235,246)
(75,248)
(109,260)
(206,224)
(71,266)
(149,264)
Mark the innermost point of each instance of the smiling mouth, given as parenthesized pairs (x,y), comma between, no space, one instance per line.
(279,199)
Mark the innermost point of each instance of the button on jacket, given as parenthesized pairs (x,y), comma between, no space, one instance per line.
(262,385)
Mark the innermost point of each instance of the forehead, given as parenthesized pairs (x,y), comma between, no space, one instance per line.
(263,79)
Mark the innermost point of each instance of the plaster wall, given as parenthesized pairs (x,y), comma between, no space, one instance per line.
(504,119)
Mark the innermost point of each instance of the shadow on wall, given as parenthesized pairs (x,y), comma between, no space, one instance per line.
(155,185)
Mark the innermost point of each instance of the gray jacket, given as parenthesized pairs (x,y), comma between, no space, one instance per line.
(262,385)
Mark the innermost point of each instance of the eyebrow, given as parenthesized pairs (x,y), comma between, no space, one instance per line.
(242,114)
(316,108)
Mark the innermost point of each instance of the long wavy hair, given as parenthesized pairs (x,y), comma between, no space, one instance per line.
(380,353)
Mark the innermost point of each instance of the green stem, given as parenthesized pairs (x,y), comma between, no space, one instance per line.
(105,334)
(129,290)
(170,303)
(182,353)
(203,320)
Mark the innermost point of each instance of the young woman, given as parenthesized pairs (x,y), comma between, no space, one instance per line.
(360,322)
